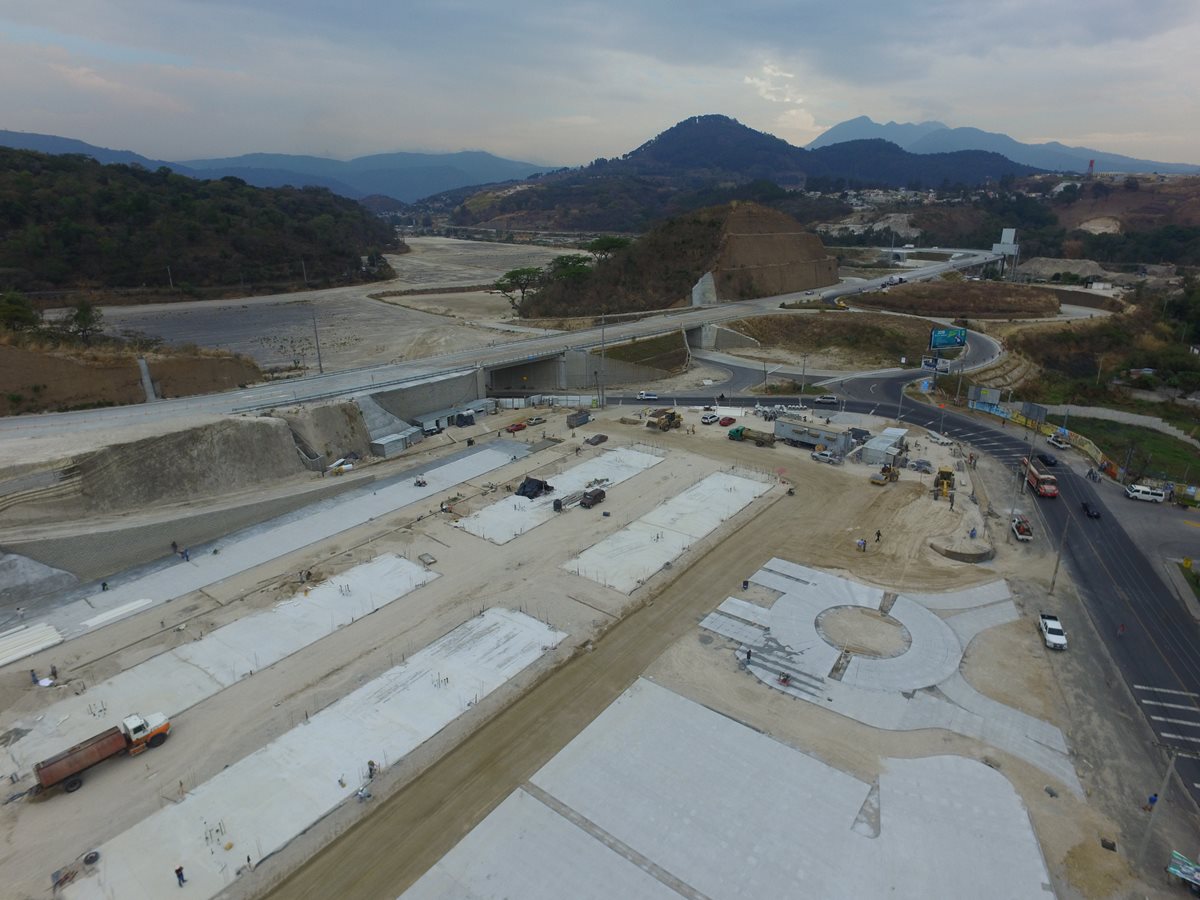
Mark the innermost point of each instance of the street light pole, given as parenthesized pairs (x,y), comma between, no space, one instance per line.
(317,341)
(1058,558)
(602,381)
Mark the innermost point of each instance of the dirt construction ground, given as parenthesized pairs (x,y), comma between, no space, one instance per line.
(382,854)
(431,799)
(353,327)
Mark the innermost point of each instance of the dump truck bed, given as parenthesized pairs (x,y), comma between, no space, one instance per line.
(82,756)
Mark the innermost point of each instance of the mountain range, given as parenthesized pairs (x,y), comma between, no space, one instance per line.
(705,161)
(404,176)
(935,137)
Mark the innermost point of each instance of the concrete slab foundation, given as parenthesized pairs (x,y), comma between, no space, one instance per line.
(506,519)
(259,804)
(627,559)
(710,808)
(180,678)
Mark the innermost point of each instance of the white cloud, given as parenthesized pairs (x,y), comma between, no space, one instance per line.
(568,80)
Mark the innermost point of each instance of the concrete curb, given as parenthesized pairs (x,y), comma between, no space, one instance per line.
(1182,589)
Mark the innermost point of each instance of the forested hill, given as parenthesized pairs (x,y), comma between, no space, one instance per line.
(70,222)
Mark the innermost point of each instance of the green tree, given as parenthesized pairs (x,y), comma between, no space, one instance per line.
(574,268)
(516,283)
(604,247)
(85,321)
(16,313)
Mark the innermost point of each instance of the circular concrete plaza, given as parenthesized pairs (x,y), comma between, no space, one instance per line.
(907,649)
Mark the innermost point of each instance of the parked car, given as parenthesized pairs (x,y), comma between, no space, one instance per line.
(515,427)
(1052,632)
(1055,441)
(923,466)
(940,439)
(536,420)
(726,421)
(708,419)
(827,400)
(592,497)
(596,439)
(1090,511)
(827,456)
(1048,459)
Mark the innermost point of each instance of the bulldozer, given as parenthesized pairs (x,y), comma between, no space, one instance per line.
(663,419)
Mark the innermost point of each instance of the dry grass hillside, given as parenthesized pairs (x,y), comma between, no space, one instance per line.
(870,338)
(52,380)
(964,299)
(1153,205)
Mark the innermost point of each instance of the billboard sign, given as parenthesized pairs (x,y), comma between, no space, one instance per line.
(940,338)
(991,396)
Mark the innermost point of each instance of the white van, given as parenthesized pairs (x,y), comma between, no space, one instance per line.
(647,395)
(1141,492)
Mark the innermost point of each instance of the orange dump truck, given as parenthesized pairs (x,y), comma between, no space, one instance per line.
(134,735)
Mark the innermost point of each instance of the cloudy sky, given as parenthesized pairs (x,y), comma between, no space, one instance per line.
(560,81)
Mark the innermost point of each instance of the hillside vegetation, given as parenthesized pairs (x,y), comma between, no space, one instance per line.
(70,222)
(968,300)
(871,338)
(751,251)
(654,272)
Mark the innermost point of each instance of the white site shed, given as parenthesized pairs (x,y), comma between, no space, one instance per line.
(885,448)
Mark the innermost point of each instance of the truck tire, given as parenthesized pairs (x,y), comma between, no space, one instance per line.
(157,741)
(73,784)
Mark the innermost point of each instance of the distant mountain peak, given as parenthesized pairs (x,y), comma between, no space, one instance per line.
(935,137)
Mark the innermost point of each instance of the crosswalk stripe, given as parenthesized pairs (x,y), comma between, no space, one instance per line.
(1168,705)
(1186,722)
(1158,690)
(1181,737)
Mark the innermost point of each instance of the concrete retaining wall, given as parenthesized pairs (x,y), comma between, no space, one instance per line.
(408,402)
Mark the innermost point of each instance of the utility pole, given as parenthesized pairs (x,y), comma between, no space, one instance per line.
(958,390)
(1012,511)
(1162,791)
(603,379)
(317,341)
(1058,559)
(170,280)
(803,375)
(304,270)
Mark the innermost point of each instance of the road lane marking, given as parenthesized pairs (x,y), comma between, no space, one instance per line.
(1168,705)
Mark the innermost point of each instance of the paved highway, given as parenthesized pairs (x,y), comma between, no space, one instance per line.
(1157,652)
(374,378)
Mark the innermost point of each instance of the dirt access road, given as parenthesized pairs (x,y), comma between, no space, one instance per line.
(386,852)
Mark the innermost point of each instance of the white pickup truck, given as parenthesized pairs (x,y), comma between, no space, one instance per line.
(1052,632)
